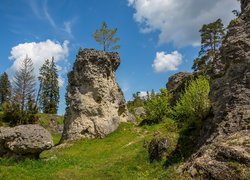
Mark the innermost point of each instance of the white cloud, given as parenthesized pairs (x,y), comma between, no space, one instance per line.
(39,52)
(41,10)
(179,21)
(167,62)
(48,16)
(142,94)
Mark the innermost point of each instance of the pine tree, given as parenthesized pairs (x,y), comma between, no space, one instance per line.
(106,37)
(5,88)
(211,39)
(24,84)
(48,96)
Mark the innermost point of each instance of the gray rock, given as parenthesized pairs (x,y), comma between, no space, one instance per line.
(96,104)
(157,149)
(131,118)
(24,141)
(176,84)
(224,151)
(140,111)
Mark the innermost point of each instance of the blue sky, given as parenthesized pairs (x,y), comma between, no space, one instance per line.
(158,37)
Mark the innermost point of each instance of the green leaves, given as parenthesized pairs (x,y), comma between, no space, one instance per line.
(5,88)
(211,39)
(194,103)
(48,95)
(106,37)
(158,107)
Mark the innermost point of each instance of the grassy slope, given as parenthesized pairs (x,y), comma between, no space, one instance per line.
(118,156)
(44,121)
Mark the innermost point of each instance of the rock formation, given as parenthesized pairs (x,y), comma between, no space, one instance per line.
(96,104)
(224,151)
(24,141)
(177,83)
(157,149)
(140,111)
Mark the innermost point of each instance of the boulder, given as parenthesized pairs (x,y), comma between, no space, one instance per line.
(140,111)
(96,105)
(223,146)
(176,84)
(24,141)
(157,149)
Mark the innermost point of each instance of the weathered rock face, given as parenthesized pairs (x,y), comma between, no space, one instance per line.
(225,153)
(157,149)
(96,103)
(24,141)
(176,84)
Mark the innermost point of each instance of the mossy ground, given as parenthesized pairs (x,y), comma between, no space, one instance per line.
(120,155)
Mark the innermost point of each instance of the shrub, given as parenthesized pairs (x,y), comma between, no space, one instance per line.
(158,106)
(194,103)
(14,116)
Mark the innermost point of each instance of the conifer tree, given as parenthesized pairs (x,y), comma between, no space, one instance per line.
(5,88)
(48,96)
(24,84)
(211,39)
(106,37)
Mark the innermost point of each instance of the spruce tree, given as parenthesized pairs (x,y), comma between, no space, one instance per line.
(48,96)
(24,84)
(211,39)
(106,37)
(5,88)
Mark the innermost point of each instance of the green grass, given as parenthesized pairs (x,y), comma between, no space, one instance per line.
(44,119)
(118,156)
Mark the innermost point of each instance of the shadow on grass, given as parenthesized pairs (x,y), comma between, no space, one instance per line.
(186,144)
(148,122)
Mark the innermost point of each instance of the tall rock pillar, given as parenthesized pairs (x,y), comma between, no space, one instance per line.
(95,102)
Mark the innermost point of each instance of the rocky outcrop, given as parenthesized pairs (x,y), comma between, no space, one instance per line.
(225,138)
(24,141)
(140,111)
(177,83)
(157,149)
(96,104)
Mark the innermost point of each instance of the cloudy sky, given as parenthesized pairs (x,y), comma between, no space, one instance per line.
(158,37)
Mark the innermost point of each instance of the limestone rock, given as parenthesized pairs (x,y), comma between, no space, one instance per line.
(176,84)
(224,144)
(96,104)
(140,111)
(24,141)
(157,149)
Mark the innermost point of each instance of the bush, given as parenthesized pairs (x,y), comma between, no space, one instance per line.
(158,106)
(14,116)
(194,103)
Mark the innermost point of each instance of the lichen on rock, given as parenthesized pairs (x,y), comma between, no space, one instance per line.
(96,104)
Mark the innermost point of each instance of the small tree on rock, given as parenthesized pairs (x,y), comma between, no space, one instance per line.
(106,37)
(211,39)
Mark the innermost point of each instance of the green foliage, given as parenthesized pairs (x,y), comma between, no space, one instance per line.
(136,102)
(48,95)
(5,88)
(194,104)
(106,37)
(212,35)
(158,106)
(13,115)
